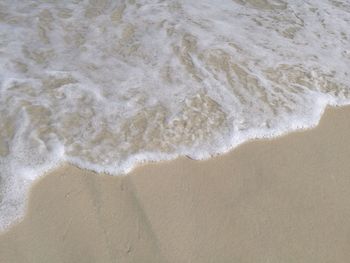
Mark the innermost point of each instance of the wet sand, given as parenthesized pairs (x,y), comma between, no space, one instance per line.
(280,200)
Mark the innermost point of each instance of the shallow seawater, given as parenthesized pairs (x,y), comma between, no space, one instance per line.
(106,84)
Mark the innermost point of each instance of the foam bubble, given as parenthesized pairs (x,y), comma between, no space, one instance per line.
(108,84)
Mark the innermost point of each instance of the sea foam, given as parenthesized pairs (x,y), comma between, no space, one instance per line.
(106,84)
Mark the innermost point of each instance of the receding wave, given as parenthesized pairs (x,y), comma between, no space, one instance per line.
(106,84)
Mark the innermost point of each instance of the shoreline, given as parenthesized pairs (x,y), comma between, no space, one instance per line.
(277,199)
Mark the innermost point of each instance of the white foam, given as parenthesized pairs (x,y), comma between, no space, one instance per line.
(106,85)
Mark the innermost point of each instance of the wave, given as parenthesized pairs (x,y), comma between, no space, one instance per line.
(105,84)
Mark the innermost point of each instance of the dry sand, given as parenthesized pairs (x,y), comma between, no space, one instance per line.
(284,200)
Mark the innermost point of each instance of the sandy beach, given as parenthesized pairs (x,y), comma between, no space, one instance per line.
(280,200)
(95,88)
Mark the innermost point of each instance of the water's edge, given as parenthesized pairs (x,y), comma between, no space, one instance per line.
(22,215)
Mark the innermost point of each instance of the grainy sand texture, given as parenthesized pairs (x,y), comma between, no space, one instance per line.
(280,200)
